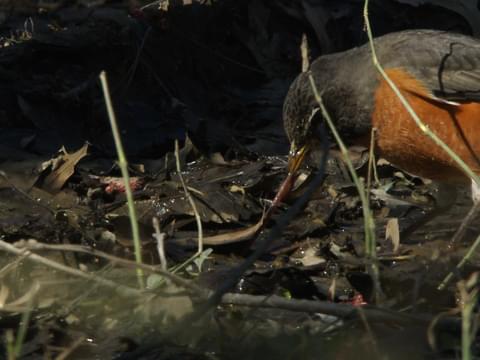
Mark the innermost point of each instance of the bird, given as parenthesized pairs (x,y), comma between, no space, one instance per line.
(438,73)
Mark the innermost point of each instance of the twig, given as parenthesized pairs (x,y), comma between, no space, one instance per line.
(133,68)
(304,53)
(23,327)
(190,200)
(465,223)
(27,298)
(121,289)
(432,327)
(368,329)
(9,340)
(66,353)
(94,252)
(24,193)
(123,164)
(10,266)
(371,164)
(372,314)
(216,53)
(160,238)
(462,262)
(153,3)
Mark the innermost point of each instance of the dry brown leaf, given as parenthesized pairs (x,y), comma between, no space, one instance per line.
(392,233)
(235,236)
(4,292)
(65,168)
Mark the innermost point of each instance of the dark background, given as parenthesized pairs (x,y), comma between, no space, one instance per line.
(218,69)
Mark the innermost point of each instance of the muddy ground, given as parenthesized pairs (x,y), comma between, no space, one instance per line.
(212,75)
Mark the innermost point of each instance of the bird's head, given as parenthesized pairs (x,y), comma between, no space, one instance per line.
(300,121)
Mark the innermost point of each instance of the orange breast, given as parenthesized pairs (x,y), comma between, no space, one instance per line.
(400,141)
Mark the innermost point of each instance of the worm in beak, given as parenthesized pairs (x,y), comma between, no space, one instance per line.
(295,160)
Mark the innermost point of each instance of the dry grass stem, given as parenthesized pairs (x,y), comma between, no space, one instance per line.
(472,213)
(372,314)
(121,289)
(34,245)
(190,200)
(304,53)
(68,351)
(123,164)
(160,238)
(372,166)
(473,248)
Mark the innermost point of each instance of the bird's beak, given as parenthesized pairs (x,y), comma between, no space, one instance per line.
(295,159)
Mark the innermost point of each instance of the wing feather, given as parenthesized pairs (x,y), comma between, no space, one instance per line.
(447,64)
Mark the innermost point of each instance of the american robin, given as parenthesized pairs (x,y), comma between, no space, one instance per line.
(439,75)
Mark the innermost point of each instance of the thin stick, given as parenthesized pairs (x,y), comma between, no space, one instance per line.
(123,164)
(10,345)
(68,351)
(35,245)
(160,237)
(121,289)
(465,223)
(304,53)
(370,334)
(134,66)
(371,163)
(10,266)
(371,313)
(25,194)
(190,200)
(469,298)
(462,262)
(23,328)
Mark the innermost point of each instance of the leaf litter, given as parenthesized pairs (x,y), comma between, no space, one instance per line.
(221,85)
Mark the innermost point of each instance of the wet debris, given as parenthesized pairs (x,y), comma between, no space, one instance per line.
(211,75)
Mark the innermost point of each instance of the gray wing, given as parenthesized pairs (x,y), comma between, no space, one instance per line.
(447,63)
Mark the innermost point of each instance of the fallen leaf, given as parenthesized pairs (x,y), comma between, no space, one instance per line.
(229,237)
(392,234)
(234,236)
(63,169)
